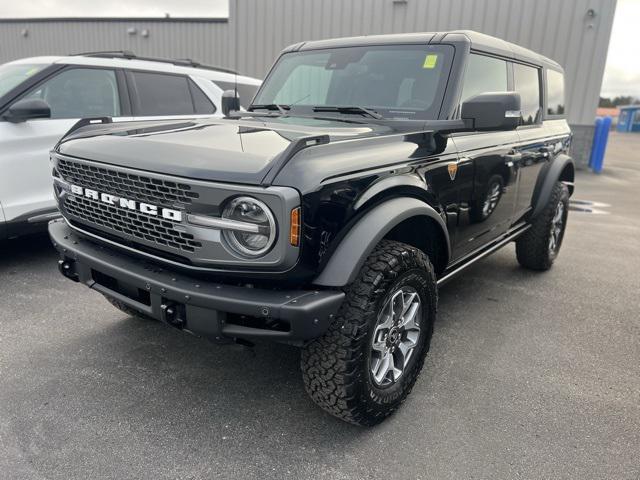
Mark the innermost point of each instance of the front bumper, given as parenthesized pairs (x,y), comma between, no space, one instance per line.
(214,310)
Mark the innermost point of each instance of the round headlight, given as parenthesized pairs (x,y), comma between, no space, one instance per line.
(254,236)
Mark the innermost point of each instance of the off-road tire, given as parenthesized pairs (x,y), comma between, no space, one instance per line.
(126,309)
(335,367)
(532,248)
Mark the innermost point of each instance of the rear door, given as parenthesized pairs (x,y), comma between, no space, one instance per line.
(25,182)
(487,208)
(535,146)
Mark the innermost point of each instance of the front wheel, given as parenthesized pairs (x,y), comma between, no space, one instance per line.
(539,246)
(366,364)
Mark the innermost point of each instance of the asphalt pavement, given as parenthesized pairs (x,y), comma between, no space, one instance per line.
(529,376)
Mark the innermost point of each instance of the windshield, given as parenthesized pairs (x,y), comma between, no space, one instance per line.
(12,75)
(396,81)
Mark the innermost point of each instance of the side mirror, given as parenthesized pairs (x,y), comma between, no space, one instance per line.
(230,102)
(492,111)
(27,109)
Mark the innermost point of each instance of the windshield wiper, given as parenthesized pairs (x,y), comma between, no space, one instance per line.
(348,109)
(271,106)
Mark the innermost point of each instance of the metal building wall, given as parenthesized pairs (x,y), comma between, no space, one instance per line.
(206,41)
(560,29)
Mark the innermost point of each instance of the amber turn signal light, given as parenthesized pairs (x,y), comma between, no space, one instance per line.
(294,232)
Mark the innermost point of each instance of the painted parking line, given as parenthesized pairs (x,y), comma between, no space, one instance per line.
(587,206)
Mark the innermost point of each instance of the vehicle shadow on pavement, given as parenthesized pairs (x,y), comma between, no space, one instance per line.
(25,251)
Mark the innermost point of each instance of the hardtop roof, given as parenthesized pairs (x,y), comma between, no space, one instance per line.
(478,42)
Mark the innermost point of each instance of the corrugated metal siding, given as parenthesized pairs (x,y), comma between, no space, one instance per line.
(205,41)
(559,29)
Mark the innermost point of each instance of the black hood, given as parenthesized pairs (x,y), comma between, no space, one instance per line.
(238,151)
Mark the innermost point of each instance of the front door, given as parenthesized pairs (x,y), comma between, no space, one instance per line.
(486,211)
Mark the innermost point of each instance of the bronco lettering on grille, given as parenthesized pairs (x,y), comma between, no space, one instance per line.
(168,213)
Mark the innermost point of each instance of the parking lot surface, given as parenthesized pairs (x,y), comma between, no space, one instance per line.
(529,376)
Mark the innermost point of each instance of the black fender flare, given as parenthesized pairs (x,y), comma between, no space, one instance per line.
(548,178)
(353,250)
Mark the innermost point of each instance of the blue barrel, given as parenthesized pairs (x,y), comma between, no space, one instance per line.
(599,146)
(594,142)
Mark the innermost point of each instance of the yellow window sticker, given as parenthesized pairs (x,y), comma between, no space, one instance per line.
(430,61)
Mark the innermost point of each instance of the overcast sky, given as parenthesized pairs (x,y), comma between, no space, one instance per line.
(622,74)
(113,8)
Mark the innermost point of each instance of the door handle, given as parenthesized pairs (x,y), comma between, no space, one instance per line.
(511,158)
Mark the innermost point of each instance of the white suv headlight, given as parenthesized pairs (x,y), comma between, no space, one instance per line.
(258,232)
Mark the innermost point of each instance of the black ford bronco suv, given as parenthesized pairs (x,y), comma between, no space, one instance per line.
(365,173)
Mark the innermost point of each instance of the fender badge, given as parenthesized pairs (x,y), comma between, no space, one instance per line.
(453,169)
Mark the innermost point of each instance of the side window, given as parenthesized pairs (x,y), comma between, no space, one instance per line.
(484,74)
(527,84)
(80,92)
(160,94)
(555,93)
(245,91)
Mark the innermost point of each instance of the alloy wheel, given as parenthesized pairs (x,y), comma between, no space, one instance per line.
(557,226)
(395,336)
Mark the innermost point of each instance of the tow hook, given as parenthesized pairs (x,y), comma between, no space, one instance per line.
(173,314)
(67,268)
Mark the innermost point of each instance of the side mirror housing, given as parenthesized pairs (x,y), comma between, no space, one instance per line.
(230,102)
(492,111)
(28,109)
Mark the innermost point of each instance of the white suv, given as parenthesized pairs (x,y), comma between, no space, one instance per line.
(42,98)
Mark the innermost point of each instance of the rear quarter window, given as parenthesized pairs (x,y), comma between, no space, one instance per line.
(161,94)
(555,93)
(201,102)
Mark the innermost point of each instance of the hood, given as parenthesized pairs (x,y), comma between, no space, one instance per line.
(237,151)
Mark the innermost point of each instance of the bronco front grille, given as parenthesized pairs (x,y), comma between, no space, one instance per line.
(145,189)
(131,223)
(147,212)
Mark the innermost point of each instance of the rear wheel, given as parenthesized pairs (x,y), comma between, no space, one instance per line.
(365,365)
(539,246)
